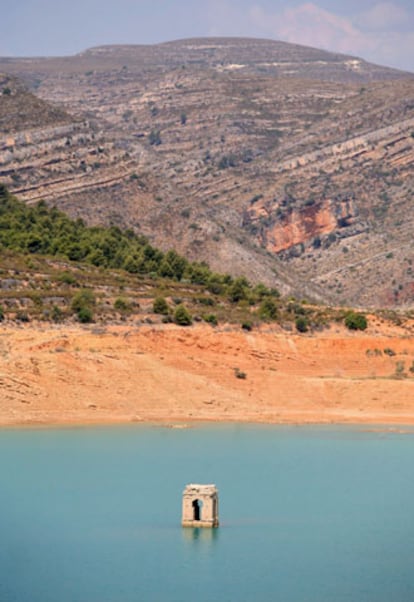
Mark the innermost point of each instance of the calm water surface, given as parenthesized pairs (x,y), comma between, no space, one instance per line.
(307,514)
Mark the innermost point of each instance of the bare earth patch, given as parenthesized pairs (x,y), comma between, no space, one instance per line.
(118,374)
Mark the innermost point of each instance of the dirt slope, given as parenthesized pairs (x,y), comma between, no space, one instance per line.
(174,375)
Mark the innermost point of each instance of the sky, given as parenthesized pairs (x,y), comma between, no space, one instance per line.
(378,31)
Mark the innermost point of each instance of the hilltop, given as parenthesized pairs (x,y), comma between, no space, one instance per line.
(288,164)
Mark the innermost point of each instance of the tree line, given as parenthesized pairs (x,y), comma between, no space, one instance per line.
(39,229)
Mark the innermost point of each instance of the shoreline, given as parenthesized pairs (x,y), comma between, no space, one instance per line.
(374,426)
(171,422)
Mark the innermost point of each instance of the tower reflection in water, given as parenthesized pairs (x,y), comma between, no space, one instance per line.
(200,535)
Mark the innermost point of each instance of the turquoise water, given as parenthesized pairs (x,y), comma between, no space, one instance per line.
(307,514)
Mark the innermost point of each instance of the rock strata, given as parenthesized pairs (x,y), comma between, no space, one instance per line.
(288,164)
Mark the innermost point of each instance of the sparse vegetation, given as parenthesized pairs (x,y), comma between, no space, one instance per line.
(83,304)
(160,306)
(400,370)
(154,137)
(122,304)
(56,314)
(85,315)
(301,324)
(227,161)
(268,309)
(211,319)
(240,374)
(22,316)
(238,290)
(355,321)
(67,278)
(182,316)
(58,270)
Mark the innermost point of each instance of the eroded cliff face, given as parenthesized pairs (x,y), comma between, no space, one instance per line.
(280,226)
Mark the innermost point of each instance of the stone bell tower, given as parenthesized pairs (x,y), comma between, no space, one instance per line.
(200,506)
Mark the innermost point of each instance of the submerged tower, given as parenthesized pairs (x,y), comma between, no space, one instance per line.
(200,506)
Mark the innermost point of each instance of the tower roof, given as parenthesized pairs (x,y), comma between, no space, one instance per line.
(193,488)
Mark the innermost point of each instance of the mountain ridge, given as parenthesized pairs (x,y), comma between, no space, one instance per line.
(302,182)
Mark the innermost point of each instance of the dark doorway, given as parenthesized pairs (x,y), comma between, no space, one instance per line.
(197,506)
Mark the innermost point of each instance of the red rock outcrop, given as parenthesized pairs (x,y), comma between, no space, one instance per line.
(280,228)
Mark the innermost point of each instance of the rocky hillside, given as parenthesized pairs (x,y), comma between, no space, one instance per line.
(289,164)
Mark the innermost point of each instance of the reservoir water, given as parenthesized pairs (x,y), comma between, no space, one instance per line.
(308,514)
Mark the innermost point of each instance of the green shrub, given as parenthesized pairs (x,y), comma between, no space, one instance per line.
(206,301)
(66,278)
(122,304)
(261,291)
(83,298)
(56,314)
(160,306)
(247,325)
(82,304)
(356,321)
(238,290)
(182,316)
(268,309)
(301,324)
(215,284)
(211,319)
(1,313)
(85,315)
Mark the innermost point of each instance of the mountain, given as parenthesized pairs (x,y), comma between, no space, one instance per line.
(289,164)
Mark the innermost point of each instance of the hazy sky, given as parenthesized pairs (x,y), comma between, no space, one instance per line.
(380,31)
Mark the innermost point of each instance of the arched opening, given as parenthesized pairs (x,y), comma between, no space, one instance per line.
(197,507)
